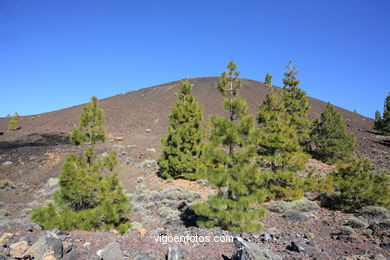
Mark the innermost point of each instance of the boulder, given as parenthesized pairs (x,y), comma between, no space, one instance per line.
(175,252)
(18,249)
(112,251)
(251,251)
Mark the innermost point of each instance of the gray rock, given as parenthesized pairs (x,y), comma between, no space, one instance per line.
(43,245)
(118,146)
(152,150)
(112,252)
(131,146)
(129,161)
(7,163)
(266,237)
(307,248)
(148,130)
(175,252)
(147,164)
(251,251)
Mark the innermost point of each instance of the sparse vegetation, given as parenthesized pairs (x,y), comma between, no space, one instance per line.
(87,198)
(13,123)
(181,149)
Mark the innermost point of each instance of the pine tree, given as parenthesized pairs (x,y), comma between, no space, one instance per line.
(13,123)
(87,199)
(383,124)
(268,79)
(278,148)
(331,141)
(377,116)
(91,128)
(229,165)
(181,149)
(296,104)
(359,185)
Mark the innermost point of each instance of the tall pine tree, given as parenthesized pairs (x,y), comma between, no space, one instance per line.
(87,198)
(278,148)
(229,165)
(181,148)
(268,79)
(382,124)
(330,140)
(296,103)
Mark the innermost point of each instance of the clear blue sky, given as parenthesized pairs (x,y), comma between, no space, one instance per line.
(55,54)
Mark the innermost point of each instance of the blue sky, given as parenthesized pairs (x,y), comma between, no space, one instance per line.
(55,54)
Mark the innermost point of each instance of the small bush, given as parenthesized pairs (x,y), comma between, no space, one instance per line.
(374,214)
(356,223)
(344,231)
(6,183)
(296,216)
(302,205)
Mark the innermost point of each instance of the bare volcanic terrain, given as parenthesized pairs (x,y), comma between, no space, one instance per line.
(31,158)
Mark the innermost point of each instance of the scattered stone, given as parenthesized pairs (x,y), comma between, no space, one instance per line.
(147,164)
(18,249)
(66,247)
(118,138)
(122,154)
(88,244)
(148,130)
(307,247)
(112,251)
(139,179)
(251,251)
(175,252)
(5,238)
(7,163)
(131,146)
(129,161)
(202,182)
(152,150)
(118,146)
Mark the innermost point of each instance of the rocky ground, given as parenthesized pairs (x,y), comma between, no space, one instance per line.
(31,158)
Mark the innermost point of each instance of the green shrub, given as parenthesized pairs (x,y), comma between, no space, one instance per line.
(359,186)
(13,123)
(356,223)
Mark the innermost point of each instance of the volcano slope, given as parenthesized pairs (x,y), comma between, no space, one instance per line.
(31,158)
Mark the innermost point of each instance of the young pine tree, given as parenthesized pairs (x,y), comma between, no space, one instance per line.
(181,149)
(91,128)
(360,186)
(87,199)
(268,79)
(296,104)
(13,123)
(278,148)
(229,165)
(331,141)
(382,124)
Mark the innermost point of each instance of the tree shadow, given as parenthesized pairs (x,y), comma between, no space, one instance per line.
(47,139)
